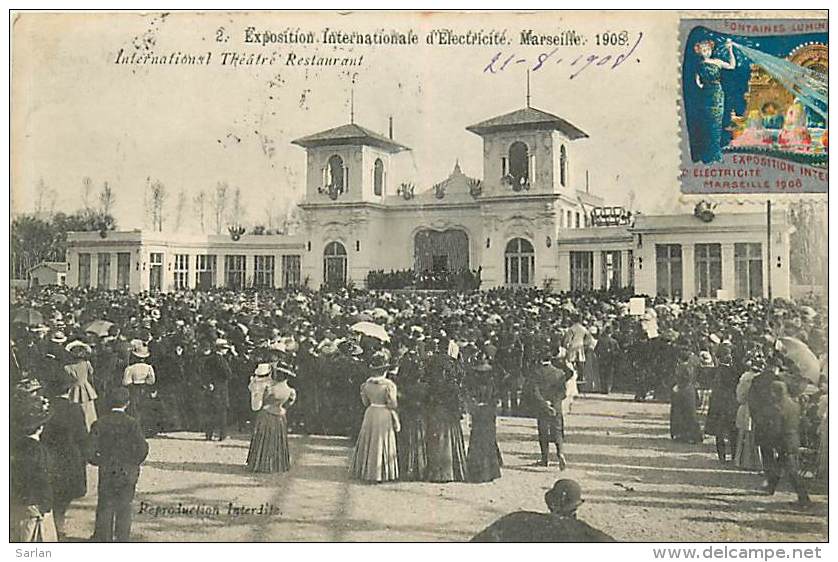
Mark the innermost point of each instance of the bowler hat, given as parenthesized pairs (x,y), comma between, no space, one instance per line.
(564,497)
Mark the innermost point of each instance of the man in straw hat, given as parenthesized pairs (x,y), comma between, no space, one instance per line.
(560,525)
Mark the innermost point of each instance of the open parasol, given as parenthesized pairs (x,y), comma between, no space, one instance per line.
(99,327)
(372,330)
(799,353)
(28,316)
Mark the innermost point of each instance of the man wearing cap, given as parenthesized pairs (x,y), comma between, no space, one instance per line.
(547,390)
(560,525)
(118,449)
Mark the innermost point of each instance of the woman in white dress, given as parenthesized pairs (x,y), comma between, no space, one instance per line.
(571,388)
(138,378)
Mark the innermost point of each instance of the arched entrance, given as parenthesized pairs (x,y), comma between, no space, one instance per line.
(435,250)
(334,265)
(519,262)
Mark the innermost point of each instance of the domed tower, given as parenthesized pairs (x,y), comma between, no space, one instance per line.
(347,164)
(527,150)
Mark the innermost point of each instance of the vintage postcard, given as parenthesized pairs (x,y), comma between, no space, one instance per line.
(522,276)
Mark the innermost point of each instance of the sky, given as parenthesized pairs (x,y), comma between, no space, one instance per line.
(77,114)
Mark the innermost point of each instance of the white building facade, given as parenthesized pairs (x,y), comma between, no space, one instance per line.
(527,222)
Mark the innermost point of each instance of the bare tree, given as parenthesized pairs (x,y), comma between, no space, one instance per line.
(86,186)
(237,210)
(199,202)
(157,196)
(180,208)
(44,198)
(107,199)
(219,205)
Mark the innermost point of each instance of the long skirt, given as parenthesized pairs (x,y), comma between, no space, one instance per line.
(376,458)
(89,409)
(484,459)
(683,422)
(747,452)
(269,445)
(823,450)
(413,454)
(25,528)
(446,450)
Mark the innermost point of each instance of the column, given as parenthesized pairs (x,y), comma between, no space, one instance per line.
(112,270)
(277,271)
(249,270)
(688,270)
(191,277)
(564,271)
(94,269)
(597,265)
(73,271)
(625,268)
(729,270)
(220,277)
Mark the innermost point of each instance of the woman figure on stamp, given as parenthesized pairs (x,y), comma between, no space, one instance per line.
(708,79)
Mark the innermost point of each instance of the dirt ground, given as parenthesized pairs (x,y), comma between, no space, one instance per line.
(638,485)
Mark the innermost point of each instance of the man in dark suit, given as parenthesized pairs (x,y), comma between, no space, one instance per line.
(560,525)
(784,454)
(607,351)
(65,437)
(118,449)
(547,392)
(218,374)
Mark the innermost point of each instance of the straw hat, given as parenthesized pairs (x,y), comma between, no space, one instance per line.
(139,349)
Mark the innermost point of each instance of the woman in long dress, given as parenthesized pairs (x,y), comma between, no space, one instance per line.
(591,366)
(80,373)
(270,396)
(571,386)
(484,460)
(413,453)
(138,378)
(708,79)
(446,449)
(683,421)
(375,458)
(747,453)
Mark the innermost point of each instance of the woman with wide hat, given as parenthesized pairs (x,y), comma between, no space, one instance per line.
(138,378)
(483,460)
(446,448)
(80,372)
(30,514)
(413,390)
(375,458)
(270,396)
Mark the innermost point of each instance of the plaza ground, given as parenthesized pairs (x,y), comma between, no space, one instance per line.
(638,485)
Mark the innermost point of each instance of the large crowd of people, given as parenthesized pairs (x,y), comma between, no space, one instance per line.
(395,371)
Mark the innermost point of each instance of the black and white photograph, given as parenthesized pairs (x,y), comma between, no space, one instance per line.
(419,276)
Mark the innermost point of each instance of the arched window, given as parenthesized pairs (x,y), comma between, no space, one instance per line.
(563,166)
(334,265)
(378,177)
(519,163)
(335,174)
(520,262)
